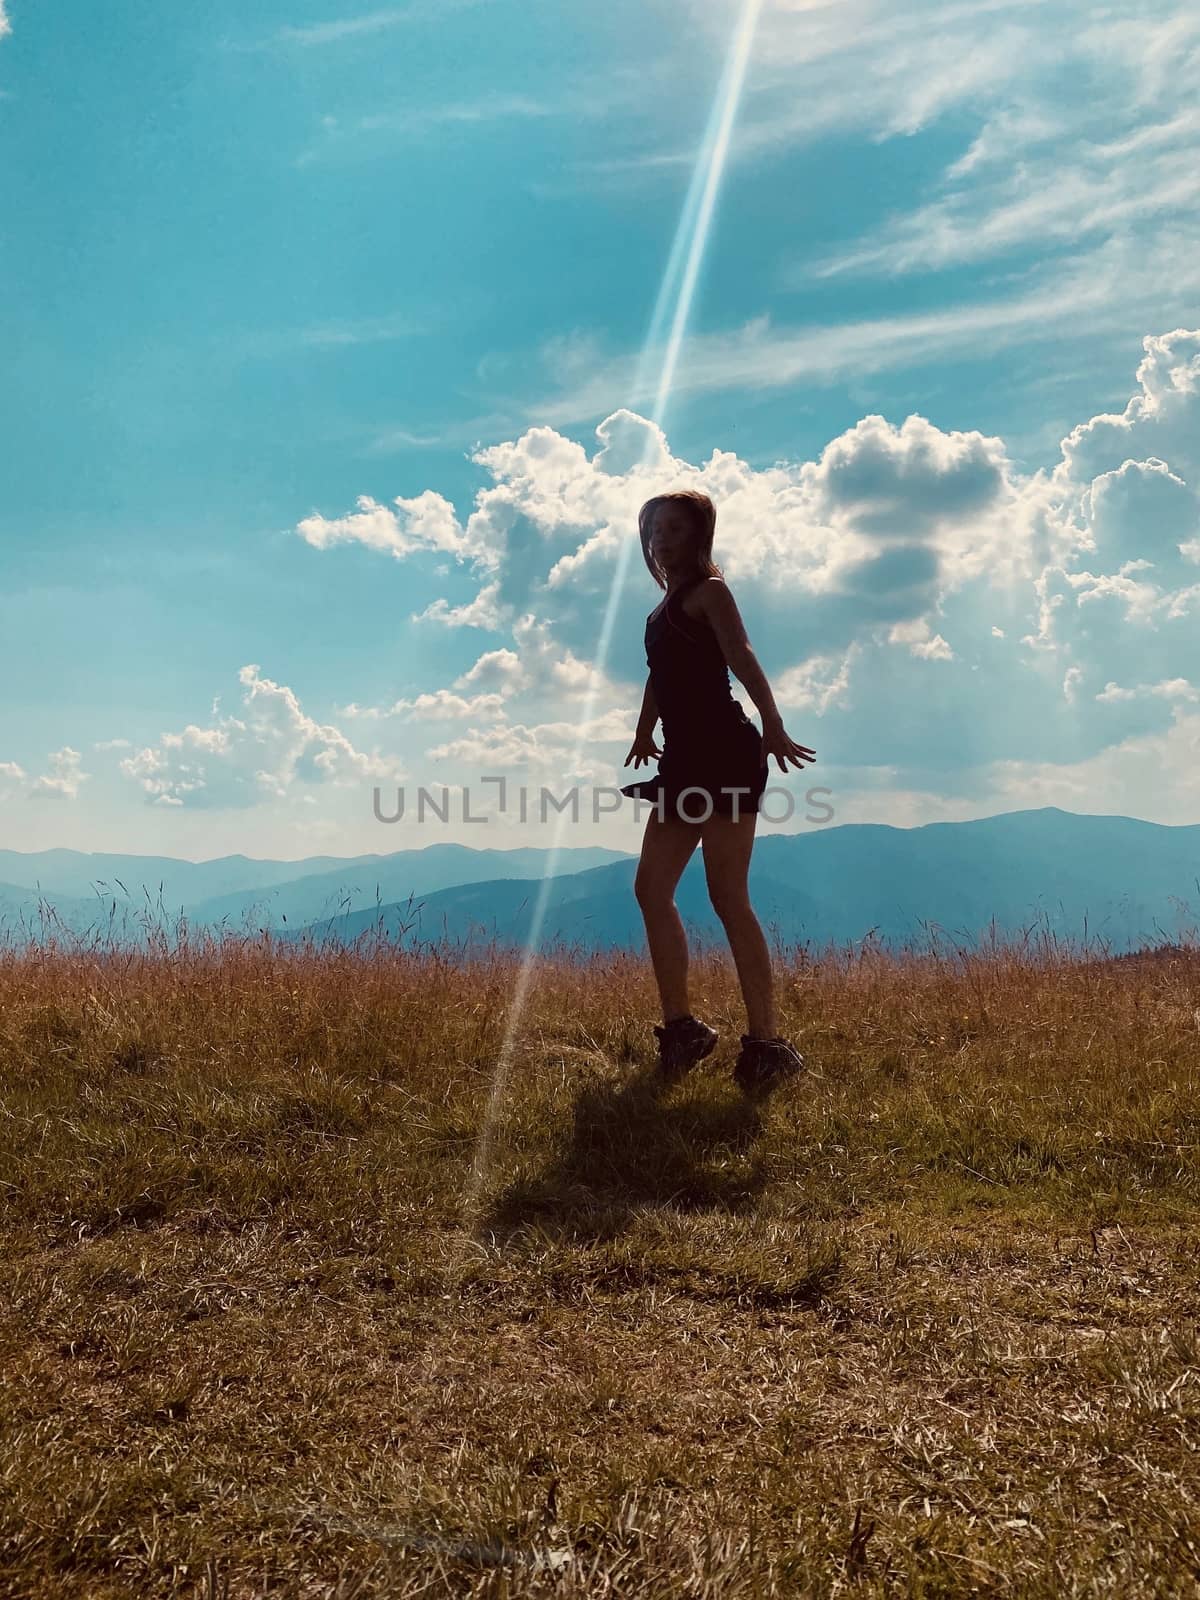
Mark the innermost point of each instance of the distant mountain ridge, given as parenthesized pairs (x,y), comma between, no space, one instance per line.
(239,892)
(1116,881)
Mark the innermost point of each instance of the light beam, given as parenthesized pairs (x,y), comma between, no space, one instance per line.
(673,305)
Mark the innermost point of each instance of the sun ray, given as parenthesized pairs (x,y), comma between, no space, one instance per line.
(672,308)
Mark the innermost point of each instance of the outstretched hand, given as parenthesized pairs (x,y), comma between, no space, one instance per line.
(777,743)
(642,749)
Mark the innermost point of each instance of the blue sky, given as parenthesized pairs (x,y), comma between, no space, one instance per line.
(322,324)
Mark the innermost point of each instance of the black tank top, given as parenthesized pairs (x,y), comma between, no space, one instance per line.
(688,672)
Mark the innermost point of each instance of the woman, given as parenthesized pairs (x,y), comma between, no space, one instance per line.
(711,776)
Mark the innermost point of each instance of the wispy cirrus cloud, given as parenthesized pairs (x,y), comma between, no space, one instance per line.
(992,203)
(591,99)
(420,319)
(364,330)
(1085,127)
(867,65)
(387,441)
(1119,282)
(1086,135)
(859,66)
(333,32)
(1077,187)
(336,30)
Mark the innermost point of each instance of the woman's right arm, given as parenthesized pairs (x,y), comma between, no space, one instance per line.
(649,713)
(644,746)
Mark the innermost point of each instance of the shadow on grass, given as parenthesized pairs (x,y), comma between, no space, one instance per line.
(631,1145)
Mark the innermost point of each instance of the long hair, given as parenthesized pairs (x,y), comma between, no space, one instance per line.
(702,515)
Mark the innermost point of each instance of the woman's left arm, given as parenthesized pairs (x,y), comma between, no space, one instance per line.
(720,608)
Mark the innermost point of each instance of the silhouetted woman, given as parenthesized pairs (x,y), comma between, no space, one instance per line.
(712,771)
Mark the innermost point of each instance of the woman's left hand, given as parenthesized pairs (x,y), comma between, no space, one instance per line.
(776,743)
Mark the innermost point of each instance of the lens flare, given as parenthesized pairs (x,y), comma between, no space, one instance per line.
(671,313)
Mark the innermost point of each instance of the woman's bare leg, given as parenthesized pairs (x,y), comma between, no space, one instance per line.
(667,847)
(727,846)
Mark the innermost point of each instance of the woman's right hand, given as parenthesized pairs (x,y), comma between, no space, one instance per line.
(642,749)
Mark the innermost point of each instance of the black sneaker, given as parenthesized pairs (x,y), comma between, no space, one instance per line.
(681,1043)
(762,1063)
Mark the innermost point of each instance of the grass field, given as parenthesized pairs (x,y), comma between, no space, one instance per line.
(923,1324)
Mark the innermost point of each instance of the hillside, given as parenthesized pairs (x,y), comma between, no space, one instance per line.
(1114,881)
(121,893)
(323,1275)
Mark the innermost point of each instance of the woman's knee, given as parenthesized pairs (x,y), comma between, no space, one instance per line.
(652,891)
(731,905)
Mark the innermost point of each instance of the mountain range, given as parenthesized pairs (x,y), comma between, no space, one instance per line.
(239,893)
(1109,881)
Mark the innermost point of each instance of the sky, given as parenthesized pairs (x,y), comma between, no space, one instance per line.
(331,401)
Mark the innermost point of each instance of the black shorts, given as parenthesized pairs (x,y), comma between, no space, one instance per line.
(721,772)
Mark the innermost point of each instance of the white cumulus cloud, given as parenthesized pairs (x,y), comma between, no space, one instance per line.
(64,779)
(263,753)
(887,585)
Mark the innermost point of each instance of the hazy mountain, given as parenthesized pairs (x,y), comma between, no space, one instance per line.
(27,914)
(102,890)
(77,873)
(353,886)
(1114,881)
(591,910)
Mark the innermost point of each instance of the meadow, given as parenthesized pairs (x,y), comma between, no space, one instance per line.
(313,1284)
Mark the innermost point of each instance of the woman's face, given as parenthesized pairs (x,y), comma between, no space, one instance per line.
(671,538)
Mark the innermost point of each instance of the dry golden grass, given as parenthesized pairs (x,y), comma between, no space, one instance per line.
(922,1325)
